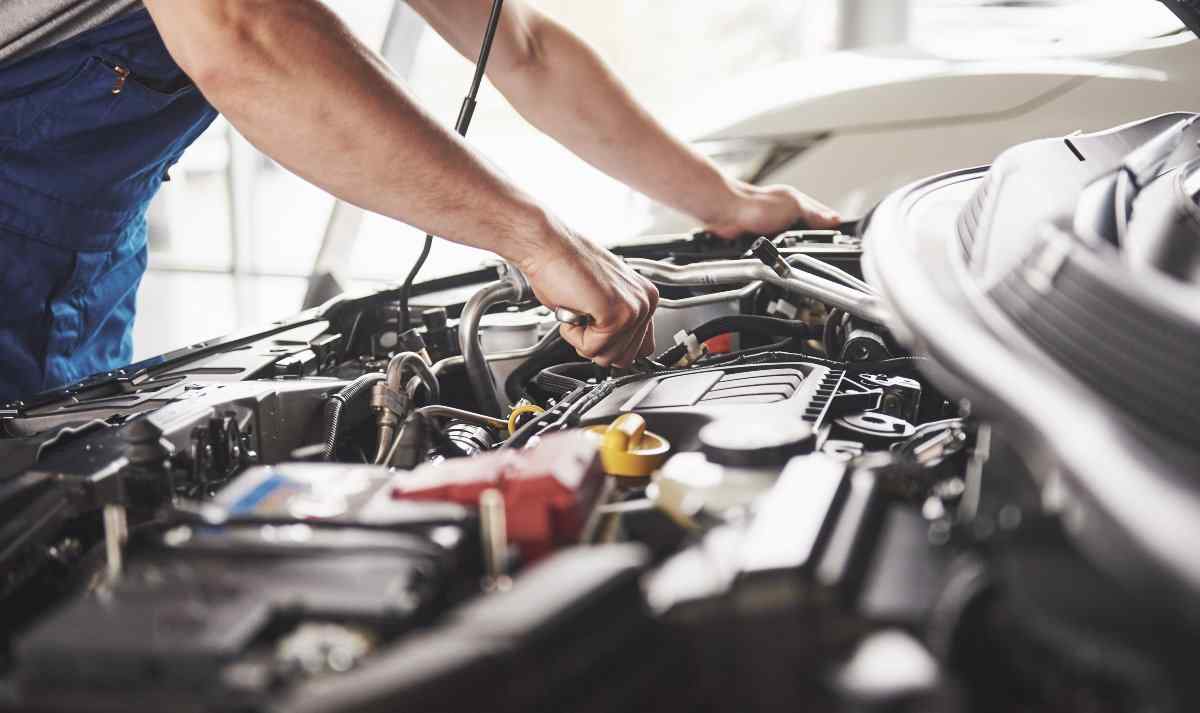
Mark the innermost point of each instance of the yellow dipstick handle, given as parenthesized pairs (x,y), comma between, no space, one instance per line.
(625,434)
(627,449)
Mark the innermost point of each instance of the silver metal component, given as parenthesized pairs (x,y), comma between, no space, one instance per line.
(418,362)
(512,329)
(392,446)
(833,271)
(391,399)
(494,533)
(725,272)
(569,316)
(390,407)
(452,362)
(116,531)
(315,648)
(386,437)
(438,411)
(469,438)
(515,279)
(710,298)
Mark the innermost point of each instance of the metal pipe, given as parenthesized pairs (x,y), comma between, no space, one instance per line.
(833,271)
(414,361)
(724,272)
(439,411)
(480,375)
(389,402)
(387,434)
(710,298)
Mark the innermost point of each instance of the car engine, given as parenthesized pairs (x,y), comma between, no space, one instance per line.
(801,502)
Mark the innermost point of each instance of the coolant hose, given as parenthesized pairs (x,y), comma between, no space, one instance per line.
(483,386)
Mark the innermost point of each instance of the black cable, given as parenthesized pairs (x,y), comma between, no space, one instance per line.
(406,288)
(464,122)
(768,327)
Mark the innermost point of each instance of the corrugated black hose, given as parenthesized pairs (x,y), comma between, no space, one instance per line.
(358,391)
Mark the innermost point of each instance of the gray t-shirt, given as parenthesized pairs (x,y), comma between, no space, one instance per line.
(27,26)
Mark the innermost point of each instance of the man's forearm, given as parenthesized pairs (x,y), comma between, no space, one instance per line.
(572,95)
(294,81)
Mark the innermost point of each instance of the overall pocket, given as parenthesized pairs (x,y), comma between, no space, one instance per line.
(94,157)
(103,101)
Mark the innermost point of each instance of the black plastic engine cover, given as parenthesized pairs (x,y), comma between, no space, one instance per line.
(678,404)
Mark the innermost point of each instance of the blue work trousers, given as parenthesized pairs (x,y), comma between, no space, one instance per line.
(88,130)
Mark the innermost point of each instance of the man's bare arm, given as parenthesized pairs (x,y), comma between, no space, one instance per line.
(557,82)
(290,76)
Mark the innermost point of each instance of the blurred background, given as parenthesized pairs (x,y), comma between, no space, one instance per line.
(235,238)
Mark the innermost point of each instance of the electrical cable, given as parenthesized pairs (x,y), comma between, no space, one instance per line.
(464,122)
(740,324)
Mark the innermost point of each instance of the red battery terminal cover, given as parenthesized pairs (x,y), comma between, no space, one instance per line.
(549,489)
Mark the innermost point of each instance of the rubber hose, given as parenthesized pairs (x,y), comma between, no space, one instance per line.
(358,389)
(549,353)
(483,386)
(554,380)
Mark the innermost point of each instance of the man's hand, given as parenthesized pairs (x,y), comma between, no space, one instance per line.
(571,271)
(767,210)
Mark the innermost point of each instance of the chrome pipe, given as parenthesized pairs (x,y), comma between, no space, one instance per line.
(413,361)
(453,362)
(479,419)
(710,298)
(726,272)
(833,271)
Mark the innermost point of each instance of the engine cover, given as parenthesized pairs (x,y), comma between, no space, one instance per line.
(678,404)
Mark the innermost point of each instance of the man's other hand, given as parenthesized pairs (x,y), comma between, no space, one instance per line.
(767,210)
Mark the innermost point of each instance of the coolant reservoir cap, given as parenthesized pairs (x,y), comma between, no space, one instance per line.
(756,442)
(628,450)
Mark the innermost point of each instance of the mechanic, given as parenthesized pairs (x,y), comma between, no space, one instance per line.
(98,98)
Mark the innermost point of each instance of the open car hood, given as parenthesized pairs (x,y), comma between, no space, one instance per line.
(1186,10)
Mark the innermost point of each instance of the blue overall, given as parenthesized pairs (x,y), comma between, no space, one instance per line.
(88,130)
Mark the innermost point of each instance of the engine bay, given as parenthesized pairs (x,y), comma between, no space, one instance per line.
(781,509)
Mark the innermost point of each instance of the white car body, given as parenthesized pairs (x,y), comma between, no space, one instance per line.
(889,116)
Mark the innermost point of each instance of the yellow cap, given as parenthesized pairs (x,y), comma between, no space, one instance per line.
(628,449)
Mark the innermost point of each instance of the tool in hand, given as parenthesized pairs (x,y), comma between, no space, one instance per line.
(641,365)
